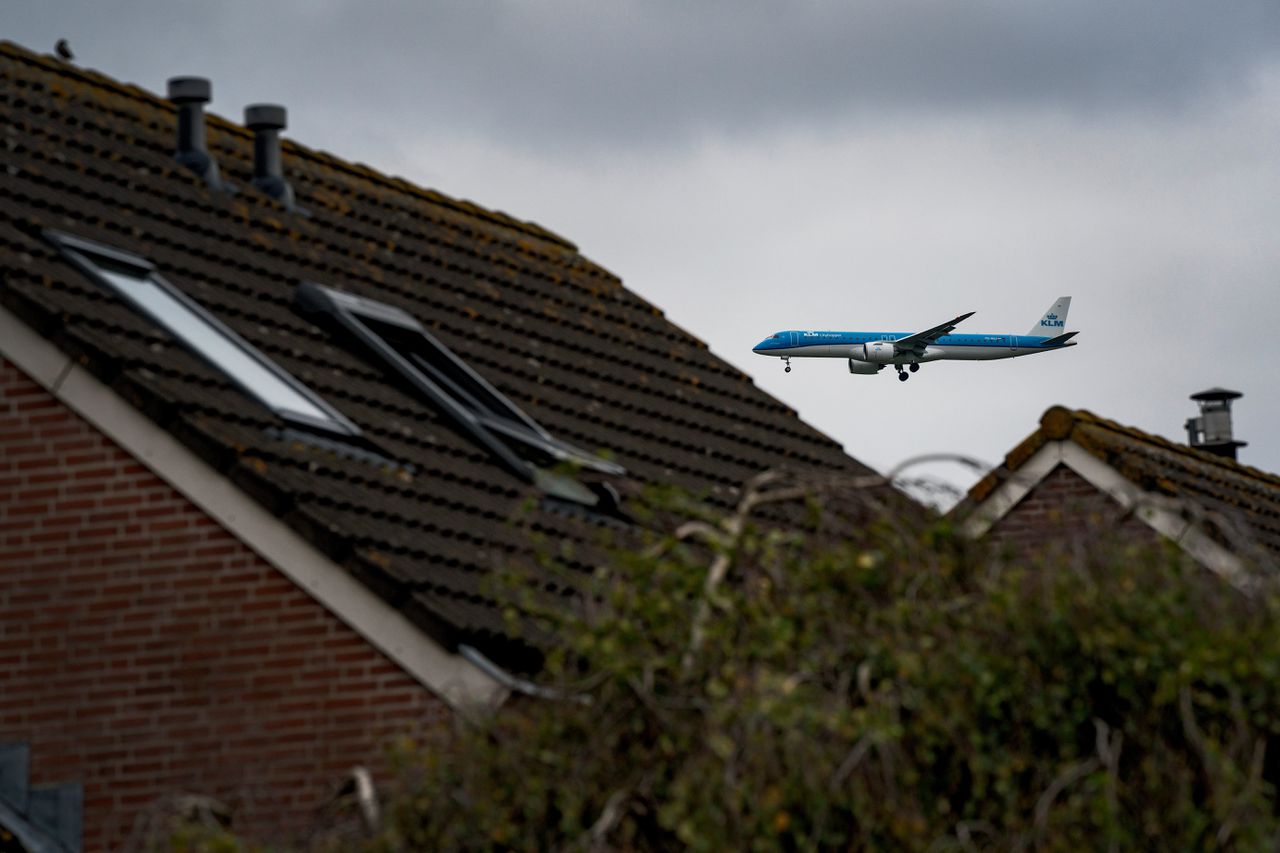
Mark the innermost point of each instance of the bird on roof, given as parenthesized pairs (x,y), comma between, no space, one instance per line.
(63,49)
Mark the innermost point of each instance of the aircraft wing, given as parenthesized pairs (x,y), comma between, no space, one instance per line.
(916,343)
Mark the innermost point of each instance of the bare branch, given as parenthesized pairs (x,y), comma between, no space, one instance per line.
(1108,748)
(1065,780)
(609,816)
(851,761)
(1191,730)
(1251,786)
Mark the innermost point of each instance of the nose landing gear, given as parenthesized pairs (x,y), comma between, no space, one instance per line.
(786,359)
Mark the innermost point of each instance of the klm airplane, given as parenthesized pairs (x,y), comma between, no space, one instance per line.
(869,352)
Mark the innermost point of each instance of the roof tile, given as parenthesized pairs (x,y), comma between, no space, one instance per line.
(1236,494)
(421,515)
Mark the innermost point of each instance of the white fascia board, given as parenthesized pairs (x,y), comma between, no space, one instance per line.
(1161,513)
(1015,487)
(456,680)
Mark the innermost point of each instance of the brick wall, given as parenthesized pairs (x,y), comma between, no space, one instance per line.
(1065,512)
(144,651)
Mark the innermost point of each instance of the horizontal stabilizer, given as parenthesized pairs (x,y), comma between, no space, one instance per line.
(1060,340)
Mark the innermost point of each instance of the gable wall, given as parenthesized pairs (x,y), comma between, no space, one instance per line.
(144,651)
(1064,511)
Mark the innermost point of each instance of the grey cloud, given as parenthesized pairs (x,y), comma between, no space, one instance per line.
(652,70)
(579,74)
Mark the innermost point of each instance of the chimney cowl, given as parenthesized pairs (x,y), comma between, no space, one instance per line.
(266,121)
(265,117)
(1216,395)
(190,89)
(190,94)
(1212,431)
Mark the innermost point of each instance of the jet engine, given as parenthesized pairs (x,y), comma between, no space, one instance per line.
(864,368)
(880,352)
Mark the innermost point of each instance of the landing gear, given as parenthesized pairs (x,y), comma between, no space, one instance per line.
(914,367)
(787,361)
(903,376)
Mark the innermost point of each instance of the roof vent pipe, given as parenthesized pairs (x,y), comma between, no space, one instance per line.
(266,121)
(191,94)
(1211,431)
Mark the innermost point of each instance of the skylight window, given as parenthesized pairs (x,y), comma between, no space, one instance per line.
(474,407)
(135,280)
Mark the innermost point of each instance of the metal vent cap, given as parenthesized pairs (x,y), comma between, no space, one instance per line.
(184,90)
(264,117)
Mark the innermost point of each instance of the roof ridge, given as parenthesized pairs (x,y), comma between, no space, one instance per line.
(1232,465)
(464,206)
(1058,423)
(468,208)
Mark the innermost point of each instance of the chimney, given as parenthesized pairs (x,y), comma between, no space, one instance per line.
(1211,431)
(191,94)
(266,121)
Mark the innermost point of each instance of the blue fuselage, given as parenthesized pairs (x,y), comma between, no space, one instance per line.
(862,346)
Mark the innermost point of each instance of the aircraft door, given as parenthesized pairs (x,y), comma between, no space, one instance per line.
(793,336)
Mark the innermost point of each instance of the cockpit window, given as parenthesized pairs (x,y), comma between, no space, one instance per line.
(776,338)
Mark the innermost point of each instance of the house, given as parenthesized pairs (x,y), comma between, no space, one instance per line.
(1080,477)
(265,418)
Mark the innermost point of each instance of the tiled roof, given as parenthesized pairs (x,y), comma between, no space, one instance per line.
(595,364)
(1238,496)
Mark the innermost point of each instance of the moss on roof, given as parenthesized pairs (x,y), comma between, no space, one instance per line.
(1157,465)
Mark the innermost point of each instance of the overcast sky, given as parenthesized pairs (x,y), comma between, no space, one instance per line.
(751,166)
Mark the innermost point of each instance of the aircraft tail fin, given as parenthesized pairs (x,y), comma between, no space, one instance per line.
(1054,320)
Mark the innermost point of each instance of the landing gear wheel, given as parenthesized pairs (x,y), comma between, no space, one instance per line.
(903,376)
(786,369)
(914,368)
(787,362)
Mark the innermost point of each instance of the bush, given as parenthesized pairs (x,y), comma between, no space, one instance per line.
(737,686)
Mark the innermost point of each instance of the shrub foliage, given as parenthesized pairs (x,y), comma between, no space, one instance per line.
(734,685)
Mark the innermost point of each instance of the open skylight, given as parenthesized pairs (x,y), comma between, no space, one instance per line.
(135,280)
(396,339)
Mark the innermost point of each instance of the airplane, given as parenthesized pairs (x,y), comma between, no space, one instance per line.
(869,352)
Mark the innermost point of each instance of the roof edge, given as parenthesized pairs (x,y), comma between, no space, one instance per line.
(1058,423)
(1164,515)
(133,90)
(460,683)
(1088,418)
